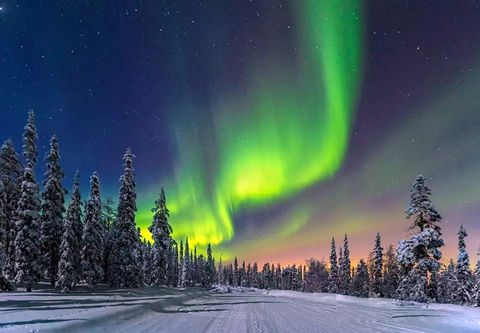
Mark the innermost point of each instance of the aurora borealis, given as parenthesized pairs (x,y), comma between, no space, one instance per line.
(272,125)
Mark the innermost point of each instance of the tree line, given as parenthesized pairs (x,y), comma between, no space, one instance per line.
(87,242)
(90,242)
(411,272)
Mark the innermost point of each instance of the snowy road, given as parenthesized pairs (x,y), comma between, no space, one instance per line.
(195,310)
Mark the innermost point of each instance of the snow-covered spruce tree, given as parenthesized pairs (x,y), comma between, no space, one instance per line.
(92,241)
(432,287)
(361,281)
(278,277)
(172,269)
(345,268)
(476,287)
(139,258)
(52,209)
(255,277)
(419,255)
(390,273)
(74,215)
(5,285)
(162,240)
(70,248)
(220,277)
(210,266)
(235,272)
(186,266)
(66,266)
(124,266)
(377,283)
(146,261)
(172,262)
(316,277)
(27,252)
(194,262)
(333,275)
(27,264)
(447,284)
(340,271)
(109,216)
(3,224)
(10,175)
(463,294)
(248,275)
(242,272)
(180,282)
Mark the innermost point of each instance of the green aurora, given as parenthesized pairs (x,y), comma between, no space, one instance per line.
(287,131)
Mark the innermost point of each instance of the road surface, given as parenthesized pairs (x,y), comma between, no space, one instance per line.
(197,310)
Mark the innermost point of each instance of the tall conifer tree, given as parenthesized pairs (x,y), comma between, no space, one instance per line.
(27,252)
(162,240)
(10,175)
(124,264)
(52,209)
(92,253)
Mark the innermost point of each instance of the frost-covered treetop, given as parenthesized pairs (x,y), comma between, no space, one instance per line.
(29,138)
(426,216)
(462,233)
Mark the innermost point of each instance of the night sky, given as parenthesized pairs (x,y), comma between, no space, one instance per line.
(272,125)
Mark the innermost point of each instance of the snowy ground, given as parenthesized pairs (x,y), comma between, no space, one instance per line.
(243,310)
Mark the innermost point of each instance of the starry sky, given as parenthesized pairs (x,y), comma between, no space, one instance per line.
(272,125)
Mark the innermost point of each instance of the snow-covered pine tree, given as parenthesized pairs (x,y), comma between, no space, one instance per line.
(346,267)
(186,266)
(421,207)
(463,294)
(3,225)
(124,268)
(147,263)
(341,289)
(66,266)
(70,248)
(278,277)
(361,283)
(109,216)
(333,276)
(28,263)
(10,174)
(447,284)
(29,147)
(220,277)
(255,276)
(210,265)
(138,253)
(476,287)
(92,253)
(180,265)
(52,209)
(294,281)
(27,252)
(249,279)
(390,274)
(162,240)
(235,272)
(172,259)
(5,285)
(195,273)
(420,254)
(74,214)
(377,283)
(242,274)
(267,276)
